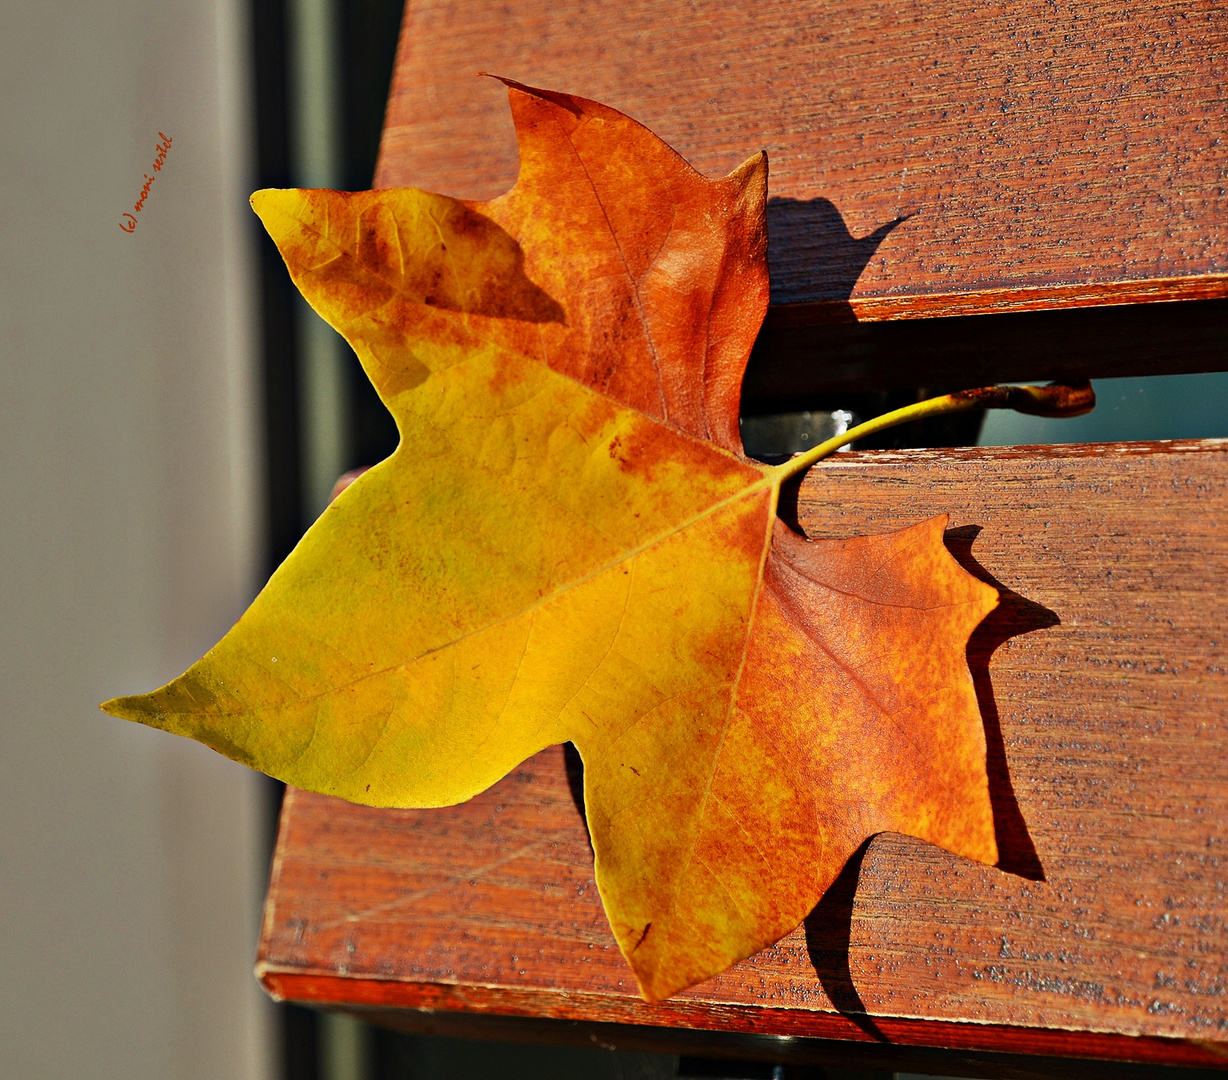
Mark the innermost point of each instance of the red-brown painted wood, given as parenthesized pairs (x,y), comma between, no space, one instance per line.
(925,159)
(1103,681)
(377,999)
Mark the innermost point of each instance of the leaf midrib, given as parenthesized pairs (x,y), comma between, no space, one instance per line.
(768,481)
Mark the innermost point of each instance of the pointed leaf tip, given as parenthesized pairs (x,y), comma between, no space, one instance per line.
(134,707)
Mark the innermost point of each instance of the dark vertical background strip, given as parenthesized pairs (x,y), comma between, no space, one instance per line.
(296,1026)
(369,30)
(279,371)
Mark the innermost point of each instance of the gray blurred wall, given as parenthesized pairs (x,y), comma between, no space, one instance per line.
(130,861)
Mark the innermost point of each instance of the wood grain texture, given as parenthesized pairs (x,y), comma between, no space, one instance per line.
(961,158)
(1102,682)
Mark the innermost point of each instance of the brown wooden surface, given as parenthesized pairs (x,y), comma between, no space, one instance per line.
(925,159)
(1102,683)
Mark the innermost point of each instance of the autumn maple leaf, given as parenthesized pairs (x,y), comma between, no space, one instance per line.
(568,544)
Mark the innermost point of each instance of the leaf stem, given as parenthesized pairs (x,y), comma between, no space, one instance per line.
(1056,399)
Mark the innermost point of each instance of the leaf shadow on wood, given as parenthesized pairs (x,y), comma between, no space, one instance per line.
(787,507)
(828,930)
(574,766)
(1014,615)
(828,927)
(812,256)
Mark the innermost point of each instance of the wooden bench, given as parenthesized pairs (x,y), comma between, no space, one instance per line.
(961,194)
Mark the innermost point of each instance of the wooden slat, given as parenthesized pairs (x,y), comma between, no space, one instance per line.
(1102,683)
(926,159)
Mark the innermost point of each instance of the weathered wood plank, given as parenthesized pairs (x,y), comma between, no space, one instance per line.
(1103,685)
(925,160)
